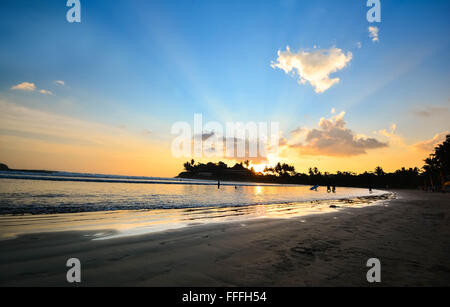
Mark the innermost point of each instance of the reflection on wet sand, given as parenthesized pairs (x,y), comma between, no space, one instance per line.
(136,222)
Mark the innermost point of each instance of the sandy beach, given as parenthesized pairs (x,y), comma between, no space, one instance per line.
(410,235)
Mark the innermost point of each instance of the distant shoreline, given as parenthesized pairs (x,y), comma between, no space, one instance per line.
(130,180)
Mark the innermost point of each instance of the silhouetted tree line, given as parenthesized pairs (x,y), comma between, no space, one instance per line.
(437,167)
(4,167)
(433,175)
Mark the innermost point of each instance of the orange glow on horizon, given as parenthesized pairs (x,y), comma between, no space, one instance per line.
(259,168)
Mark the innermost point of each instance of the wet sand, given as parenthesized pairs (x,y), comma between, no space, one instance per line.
(410,235)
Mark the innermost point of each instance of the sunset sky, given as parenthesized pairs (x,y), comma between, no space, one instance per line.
(101,96)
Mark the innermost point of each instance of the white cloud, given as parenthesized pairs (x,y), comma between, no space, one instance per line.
(24,86)
(373,33)
(359,45)
(298,132)
(429,145)
(46,92)
(398,141)
(147,132)
(216,144)
(60,82)
(388,133)
(314,67)
(333,138)
(432,111)
(22,122)
(31,87)
(392,135)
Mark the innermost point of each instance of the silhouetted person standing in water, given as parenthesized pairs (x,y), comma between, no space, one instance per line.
(218,184)
(370,185)
(328,188)
(334,188)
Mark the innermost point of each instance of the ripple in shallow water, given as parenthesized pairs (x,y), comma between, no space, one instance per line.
(18,196)
(115,224)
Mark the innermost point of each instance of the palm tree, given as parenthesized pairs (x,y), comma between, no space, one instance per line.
(187,167)
(269,170)
(439,161)
(288,169)
(246,163)
(278,168)
(379,171)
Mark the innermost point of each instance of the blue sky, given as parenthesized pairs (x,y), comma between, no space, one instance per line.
(148,64)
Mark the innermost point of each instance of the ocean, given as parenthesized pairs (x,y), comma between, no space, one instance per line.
(43,202)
